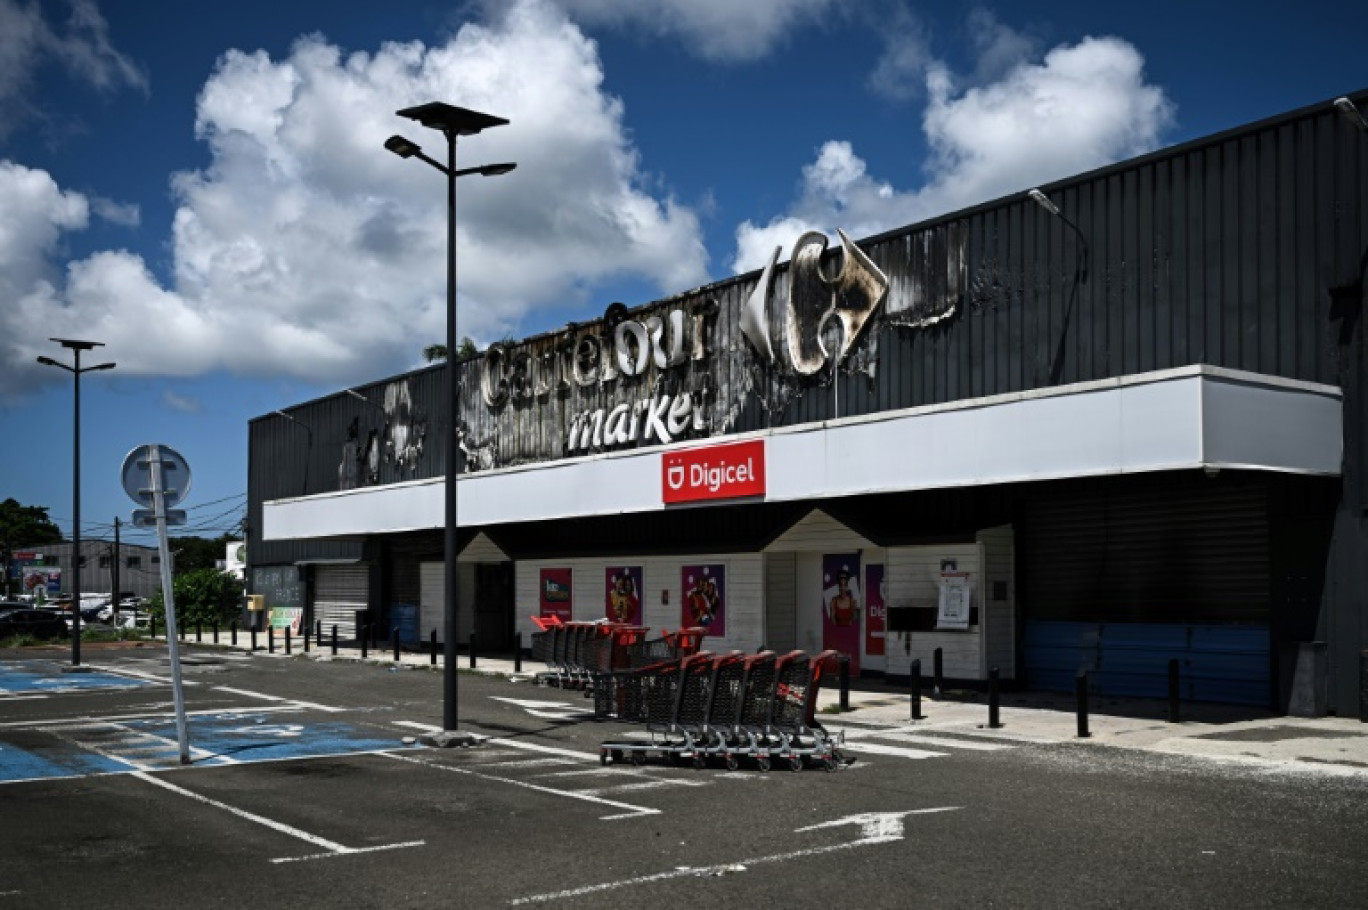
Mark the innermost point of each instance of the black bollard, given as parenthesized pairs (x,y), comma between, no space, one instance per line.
(993,722)
(152,626)
(517,652)
(916,690)
(318,632)
(472,650)
(365,640)
(1081,703)
(216,622)
(395,633)
(1173,691)
(306,638)
(844,672)
(334,641)
(270,639)
(937,673)
(254,641)
(432,648)
(233,630)
(287,640)
(199,632)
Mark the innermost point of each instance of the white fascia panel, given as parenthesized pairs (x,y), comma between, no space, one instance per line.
(1191,417)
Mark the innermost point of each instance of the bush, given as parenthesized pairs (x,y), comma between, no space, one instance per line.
(205,596)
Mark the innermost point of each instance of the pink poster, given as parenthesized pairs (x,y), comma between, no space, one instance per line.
(555,594)
(622,594)
(875,610)
(705,598)
(841,605)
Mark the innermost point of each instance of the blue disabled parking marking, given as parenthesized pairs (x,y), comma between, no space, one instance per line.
(266,737)
(54,760)
(45,677)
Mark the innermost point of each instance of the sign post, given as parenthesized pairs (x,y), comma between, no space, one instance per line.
(158,477)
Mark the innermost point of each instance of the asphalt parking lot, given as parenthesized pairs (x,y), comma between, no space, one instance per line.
(306,789)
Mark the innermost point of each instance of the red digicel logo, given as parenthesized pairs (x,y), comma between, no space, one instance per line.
(715,472)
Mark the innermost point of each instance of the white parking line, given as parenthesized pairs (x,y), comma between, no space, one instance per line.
(332,848)
(631,810)
(865,745)
(278,699)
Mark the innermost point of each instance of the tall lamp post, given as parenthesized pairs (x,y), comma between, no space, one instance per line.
(452,122)
(76,347)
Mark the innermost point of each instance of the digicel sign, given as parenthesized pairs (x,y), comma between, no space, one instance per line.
(714,472)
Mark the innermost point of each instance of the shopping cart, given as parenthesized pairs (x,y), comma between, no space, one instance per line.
(671,699)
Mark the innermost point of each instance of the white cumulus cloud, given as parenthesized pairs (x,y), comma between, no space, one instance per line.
(304,248)
(1081,106)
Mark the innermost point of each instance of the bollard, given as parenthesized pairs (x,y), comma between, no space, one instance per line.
(845,681)
(216,622)
(365,640)
(334,641)
(937,673)
(287,640)
(993,699)
(432,648)
(318,632)
(517,652)
(233,630)
(395,633)
(254,641)
(152,626)
(306,638)
(1081,703)
(270,639)
(916,690)
(472,650)
(199,632)
(1173,691)
(180,630)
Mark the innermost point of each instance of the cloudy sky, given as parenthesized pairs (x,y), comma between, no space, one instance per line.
(204,189)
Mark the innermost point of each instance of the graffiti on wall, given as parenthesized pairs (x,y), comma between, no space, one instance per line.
(397,440)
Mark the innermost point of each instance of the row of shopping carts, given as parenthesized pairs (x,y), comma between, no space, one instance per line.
(728,708)
(577,653)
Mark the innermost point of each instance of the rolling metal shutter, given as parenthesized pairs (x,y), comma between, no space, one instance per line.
(339,592)
(1119,579)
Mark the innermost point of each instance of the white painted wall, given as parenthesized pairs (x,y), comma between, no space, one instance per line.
(999,562)
(913,575)
(745,593)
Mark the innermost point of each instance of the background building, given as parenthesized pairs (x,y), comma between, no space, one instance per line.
(1107,425)
(139,569)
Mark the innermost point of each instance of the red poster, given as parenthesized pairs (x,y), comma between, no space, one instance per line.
(713,472)
(705,598)
(622,600)
(875,610)
(841,605)
(555,594)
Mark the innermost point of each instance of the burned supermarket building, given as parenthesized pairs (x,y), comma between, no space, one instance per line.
(1116,421)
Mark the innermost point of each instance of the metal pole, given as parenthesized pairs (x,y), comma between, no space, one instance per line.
(938,671)
(169,599)
(844,673)
(1081,703)
(334,641)
(234,628)
(76,518)
(1173,691)
(916,690)
(432,648)
(395,633)
(365,641)
(450,714)
(216,631)
(270,639)
(254,634)
(287,640)
(517,652)
(472,650)
(993,698)
(306,638)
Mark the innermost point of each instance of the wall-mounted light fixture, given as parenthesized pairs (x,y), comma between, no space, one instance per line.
(1048,204)
(1351,113)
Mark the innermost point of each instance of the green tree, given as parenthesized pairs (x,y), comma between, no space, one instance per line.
(202,595)
(465,350)
(26,526)
(194,553)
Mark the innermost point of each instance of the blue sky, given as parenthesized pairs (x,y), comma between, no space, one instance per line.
(203,188)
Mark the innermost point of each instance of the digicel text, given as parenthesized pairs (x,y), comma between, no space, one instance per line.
(705,475)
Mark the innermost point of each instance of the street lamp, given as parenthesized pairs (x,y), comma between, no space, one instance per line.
(451,122)
(76,347)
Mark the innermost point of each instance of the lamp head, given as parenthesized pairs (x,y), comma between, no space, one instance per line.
(494,170)
(402,147)
(1350,112)
(1044,202)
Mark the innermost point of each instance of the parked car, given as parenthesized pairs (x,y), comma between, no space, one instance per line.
(27,621)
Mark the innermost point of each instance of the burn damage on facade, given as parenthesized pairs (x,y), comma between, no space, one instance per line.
(1124,428)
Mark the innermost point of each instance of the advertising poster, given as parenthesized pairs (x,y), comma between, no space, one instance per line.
(622,601)
(705,598)
(953,612)
(41,580)
(283,618)
(875,609)
(841,605)
(555,594)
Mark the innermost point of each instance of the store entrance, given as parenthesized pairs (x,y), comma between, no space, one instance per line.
(494,606)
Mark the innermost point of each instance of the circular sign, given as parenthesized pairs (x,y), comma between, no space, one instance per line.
(137,475)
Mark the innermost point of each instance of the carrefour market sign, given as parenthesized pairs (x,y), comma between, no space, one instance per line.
(713,472)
